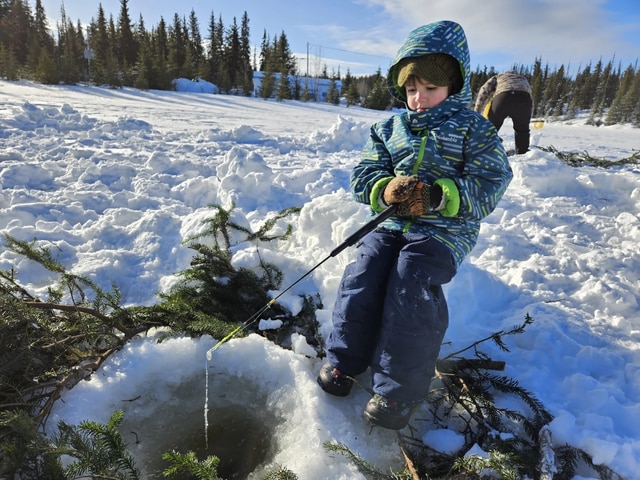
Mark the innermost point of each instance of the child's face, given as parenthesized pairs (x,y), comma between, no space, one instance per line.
(422,95)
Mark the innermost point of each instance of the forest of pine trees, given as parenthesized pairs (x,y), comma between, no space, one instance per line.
(120,52)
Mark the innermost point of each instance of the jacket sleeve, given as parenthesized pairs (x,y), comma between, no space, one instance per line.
(485,93)
(373,171)
(486,174)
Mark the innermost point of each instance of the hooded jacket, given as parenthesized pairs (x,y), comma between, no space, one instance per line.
(505,82)
(448,141)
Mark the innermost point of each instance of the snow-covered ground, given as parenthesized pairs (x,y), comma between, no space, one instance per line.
(115,180)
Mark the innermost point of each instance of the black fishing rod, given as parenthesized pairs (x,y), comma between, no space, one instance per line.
(351,240)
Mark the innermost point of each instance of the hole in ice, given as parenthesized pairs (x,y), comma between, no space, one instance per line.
(241,431)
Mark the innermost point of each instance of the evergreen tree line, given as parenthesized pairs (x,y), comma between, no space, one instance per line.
(608,93)
(121,53)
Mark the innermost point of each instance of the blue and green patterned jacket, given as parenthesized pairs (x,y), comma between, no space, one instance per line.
(447,141)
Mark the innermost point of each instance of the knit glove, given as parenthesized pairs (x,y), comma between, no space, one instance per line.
(413,197)
(399,189)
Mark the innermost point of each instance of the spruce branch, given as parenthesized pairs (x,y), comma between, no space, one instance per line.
(362,465)
(98,449)
(582,159)
(496,338)
(206,469)
(281,473)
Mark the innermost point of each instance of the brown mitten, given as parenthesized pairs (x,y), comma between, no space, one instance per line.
(423,199)
(399,189)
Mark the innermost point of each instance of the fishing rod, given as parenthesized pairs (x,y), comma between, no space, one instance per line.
(351,240)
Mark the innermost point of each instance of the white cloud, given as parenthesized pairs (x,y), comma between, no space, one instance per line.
(567,32)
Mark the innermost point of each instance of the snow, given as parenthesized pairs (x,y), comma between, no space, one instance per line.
(116,180)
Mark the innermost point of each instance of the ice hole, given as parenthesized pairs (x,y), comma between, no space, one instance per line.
(240,430)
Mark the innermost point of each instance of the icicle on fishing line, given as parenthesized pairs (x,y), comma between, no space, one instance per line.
(206,402)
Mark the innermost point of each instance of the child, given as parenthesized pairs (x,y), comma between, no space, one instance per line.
(444,167)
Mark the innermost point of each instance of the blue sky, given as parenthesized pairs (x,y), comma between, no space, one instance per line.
(363,35)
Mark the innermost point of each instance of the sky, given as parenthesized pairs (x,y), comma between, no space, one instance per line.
(115,180)
(362,36)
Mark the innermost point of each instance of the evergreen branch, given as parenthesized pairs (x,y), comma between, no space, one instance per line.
(456,392)
(282,473)
(496,337)
(361,464)
(13,286)
(69,308)
(497,461)
(98,449)
(261,233)
(30,250)
(206,469)
(576,159)
(449,365)
(411,468)
(506,385)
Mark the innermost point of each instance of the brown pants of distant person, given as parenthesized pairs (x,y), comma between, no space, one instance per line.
(517,106)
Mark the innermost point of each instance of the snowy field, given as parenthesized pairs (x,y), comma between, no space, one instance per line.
(115,180)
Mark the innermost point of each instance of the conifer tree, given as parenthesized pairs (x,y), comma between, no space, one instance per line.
(537,80)
(188,69)
(215,49)
(625,106)
(126,47)
(347,80)
(600,97)
(552,97)
(114,76)
(231,58)
(619,107)
(246,70)
(333,95)
(15,30)
(353,97)
(71,49)
(5,5)
(42,49)
(207,74)
(161,41)
(379,97)
(8,64)
(284,57)
(46,69)
(284,88)
(590,91)
(576,89)
(480,77)
(264,51)
(268,84)
(160,78)
(99,45)
(41,39)
(613,85)
(296,91)
(349,86)
(177,48)
(145,64)
(305,96)
(195,47)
